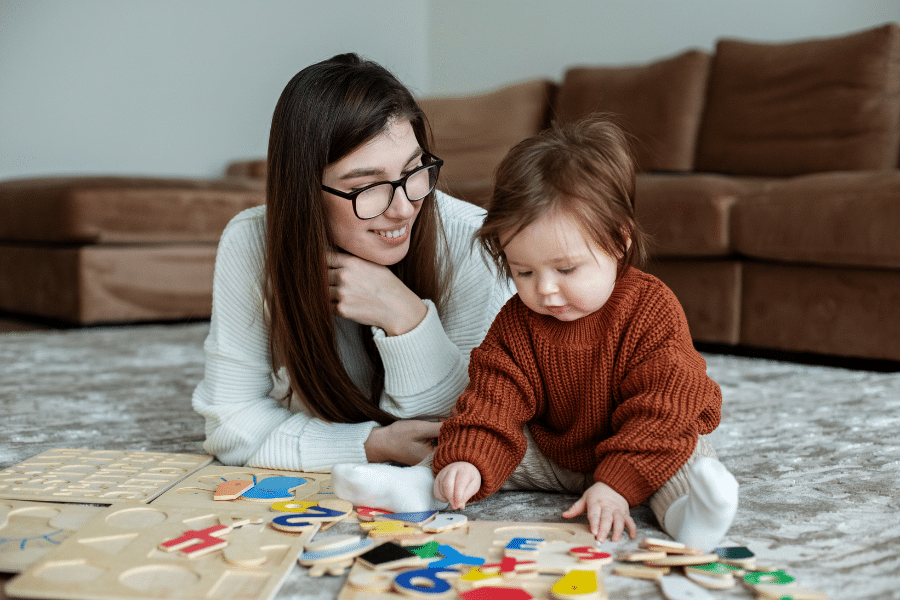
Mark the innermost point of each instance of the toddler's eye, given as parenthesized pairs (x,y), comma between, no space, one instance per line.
(523,273)
(567,270)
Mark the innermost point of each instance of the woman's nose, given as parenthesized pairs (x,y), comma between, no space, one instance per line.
(401,207)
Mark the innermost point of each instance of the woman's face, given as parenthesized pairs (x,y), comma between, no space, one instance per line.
(388,156)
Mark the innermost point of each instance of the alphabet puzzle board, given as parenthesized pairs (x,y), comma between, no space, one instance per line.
(97,476)
(120,555)
(197,489)
(29,530)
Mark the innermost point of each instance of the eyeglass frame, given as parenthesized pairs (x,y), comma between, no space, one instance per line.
(435,162)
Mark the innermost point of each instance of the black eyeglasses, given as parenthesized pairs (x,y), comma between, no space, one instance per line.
(375,198)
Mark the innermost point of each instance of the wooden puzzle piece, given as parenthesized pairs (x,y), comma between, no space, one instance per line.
(496,593)
(475,577)
(523,547)
(333,541)
(715,570)
(579,585)
(338,554)
(332,568)
(636,571)
(680,560)
(675,587)
(232,490)
(412,518)
(778,592)
(711,582)
(195,542)
(445,522)
(509,566)
(660,543)
(738,556)
(390,529)
(373,582)
(273,489)
(591,555)
(366,513)
(641,556)
(389,556)
(453,557)
(768,577)
(291,523)
(426,583)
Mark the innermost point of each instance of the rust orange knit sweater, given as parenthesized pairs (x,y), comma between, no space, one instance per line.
(620,393)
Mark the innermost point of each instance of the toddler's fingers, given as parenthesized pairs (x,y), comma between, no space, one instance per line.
(576,509)
(632,527)
(617,528)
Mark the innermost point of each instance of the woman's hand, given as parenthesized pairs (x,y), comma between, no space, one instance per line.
(370,294)
(406,442)
(607,512)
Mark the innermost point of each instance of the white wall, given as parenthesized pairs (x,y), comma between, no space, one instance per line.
(174,87)
(479,45)
(183,87)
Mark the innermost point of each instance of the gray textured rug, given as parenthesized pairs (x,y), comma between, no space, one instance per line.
(815,449)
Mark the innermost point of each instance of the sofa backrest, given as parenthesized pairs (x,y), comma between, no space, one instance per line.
(473,133)
(780,109)
(659,104)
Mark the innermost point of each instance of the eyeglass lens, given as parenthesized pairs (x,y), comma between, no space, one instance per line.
(376,200)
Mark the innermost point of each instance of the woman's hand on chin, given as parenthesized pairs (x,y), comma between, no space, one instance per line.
(371,294)
(406,442)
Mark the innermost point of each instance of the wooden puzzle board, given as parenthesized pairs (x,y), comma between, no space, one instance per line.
(487,539)
(197,489)
(29,530)
(116,557)
(97,476)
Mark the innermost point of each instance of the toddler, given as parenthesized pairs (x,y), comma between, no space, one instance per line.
(587,381)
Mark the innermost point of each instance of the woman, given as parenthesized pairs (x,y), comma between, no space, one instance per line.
(343,311)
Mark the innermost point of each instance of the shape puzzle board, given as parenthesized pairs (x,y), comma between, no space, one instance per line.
(197,489)
(117,557)
(487,539)
(29,530)
(97,476)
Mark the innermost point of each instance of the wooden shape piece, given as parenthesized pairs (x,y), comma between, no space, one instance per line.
(591,555)
(739,556)
(309,559)
(711,582)
(244,548)
(367,513)
(675,587)
(425,583)
(496,593)
(635,571)
(579,585)
(334,541)
(715,570)
(273,489)
(680,560)
(771,591)
(445,522)
(232,489)
(413,518)
(659,543)
(389,556)
(193,543)
(294,523)
(641,556)
(373,582)
(768,577)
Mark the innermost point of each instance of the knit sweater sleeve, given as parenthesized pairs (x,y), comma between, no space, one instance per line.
(487,430)
(666,401)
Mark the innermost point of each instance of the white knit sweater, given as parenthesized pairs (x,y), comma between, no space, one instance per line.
(426,369)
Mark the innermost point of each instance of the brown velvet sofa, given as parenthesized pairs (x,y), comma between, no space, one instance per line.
(769,180)
(86,250)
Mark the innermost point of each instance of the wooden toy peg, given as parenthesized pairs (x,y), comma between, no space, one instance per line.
(232,489)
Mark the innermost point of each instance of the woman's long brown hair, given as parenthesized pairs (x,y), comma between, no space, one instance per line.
(325,112)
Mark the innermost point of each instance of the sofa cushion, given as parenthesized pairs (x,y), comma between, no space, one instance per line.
(689,215)
(107,283)
(849,218)
(473,133)
(121,209)
(803,107)
(659,103)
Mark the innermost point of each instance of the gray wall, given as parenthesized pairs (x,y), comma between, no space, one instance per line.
(182,87)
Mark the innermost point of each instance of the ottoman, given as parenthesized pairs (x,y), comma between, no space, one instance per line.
(90,250)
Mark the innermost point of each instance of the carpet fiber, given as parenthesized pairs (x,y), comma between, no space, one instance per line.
(815,449)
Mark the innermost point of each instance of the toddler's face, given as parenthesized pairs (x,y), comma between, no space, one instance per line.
(557,270)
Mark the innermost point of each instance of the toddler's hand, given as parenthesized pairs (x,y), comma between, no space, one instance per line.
(607,511)
(456,483)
